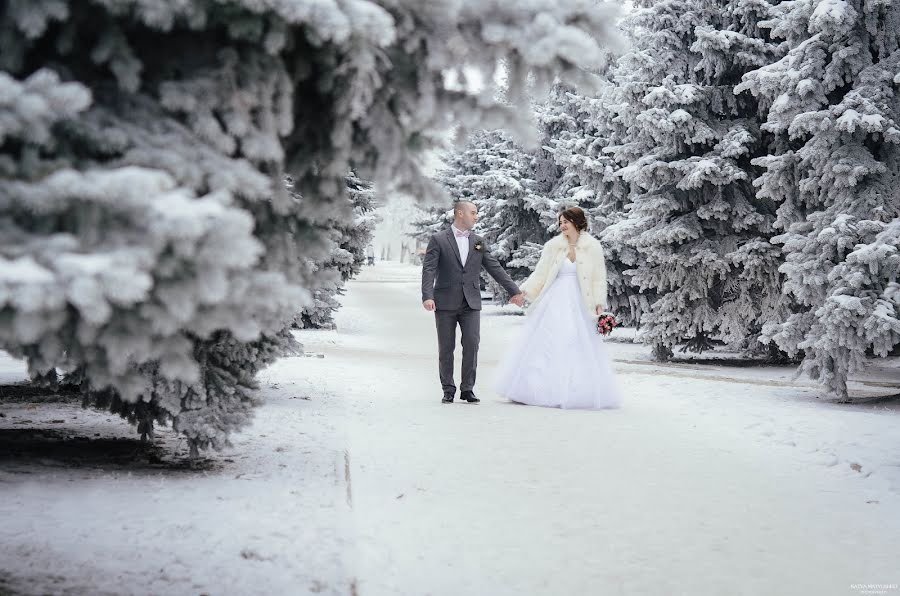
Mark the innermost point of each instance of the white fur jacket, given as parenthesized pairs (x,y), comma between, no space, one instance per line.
(589,262)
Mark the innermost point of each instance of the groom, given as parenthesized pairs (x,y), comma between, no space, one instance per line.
(451,272)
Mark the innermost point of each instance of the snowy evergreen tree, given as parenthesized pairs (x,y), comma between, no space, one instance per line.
(582,148)
(698,230)
(519,193)
(148,245)
(498,174)
(834,176)
(495,173)
(433,219)
(357,232)
(349,239)
(451,179)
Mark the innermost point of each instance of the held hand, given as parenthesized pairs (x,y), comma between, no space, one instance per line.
(518,300)
(429,305)
(600,308)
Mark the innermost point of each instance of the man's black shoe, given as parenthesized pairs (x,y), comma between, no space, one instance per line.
(448,399)
(469,397)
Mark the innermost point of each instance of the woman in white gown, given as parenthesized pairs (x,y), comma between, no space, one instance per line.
(560,360)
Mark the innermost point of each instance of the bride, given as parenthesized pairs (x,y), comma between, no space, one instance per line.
(561,360)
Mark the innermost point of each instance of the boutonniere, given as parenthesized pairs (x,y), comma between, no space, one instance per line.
(478,245)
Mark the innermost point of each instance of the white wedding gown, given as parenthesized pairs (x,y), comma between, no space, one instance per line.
(559,360)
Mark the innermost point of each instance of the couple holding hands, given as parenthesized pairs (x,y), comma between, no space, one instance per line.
(560,359)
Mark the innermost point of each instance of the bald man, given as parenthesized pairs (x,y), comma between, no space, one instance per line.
(451,288)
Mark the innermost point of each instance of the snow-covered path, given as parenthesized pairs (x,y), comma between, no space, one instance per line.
(355,480)
(694,487)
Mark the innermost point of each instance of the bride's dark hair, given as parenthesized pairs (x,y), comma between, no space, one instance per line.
(576,216)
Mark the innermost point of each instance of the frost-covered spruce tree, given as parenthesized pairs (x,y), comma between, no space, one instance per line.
(349,239)
(499,175)
(148,245)
(514,189)
(582,149)
(358,230)
(495,173)
(433,219)
(834,105)
(438,215)
(700,233)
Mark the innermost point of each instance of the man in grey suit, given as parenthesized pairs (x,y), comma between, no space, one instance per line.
(451,275)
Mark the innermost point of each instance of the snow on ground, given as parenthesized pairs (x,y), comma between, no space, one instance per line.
(355,479)
(269,516)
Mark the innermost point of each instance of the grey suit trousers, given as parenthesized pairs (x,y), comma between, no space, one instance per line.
(454,287)
(469,322)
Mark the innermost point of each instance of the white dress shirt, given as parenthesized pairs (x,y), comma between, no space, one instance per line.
(462,242)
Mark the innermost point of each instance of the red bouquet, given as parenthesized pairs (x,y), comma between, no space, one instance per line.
(606,322)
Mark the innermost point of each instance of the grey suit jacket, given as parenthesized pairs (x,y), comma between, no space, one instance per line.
(448,283)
